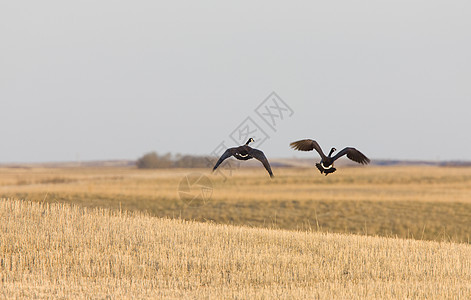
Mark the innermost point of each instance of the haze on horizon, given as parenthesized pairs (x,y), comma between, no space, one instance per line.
(95,80)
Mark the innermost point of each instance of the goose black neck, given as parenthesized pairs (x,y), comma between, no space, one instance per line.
(249,141)
(331,151)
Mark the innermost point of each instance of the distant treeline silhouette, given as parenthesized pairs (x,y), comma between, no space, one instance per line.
(153,160)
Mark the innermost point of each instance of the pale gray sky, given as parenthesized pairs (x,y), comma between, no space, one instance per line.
(115,79)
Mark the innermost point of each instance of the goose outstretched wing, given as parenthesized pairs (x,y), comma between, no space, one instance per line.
(228,153)
(353,154)
(259,155)
(307,145)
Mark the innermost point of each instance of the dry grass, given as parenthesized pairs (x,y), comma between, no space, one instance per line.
(431,203)
(62,251)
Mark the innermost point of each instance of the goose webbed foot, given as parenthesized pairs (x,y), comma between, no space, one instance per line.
(324,170)
(328,171)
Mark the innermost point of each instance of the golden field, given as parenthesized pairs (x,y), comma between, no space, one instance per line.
(429,203)
(66,251)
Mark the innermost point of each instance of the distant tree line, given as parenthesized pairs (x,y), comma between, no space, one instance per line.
(153,160)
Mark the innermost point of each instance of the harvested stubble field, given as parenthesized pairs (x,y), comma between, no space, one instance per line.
(66,251)
(429,203)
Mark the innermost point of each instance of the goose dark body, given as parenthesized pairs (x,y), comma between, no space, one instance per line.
(245,152)
(326,165)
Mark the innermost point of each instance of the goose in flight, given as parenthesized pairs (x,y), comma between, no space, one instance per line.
(245,152)
(326,164)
